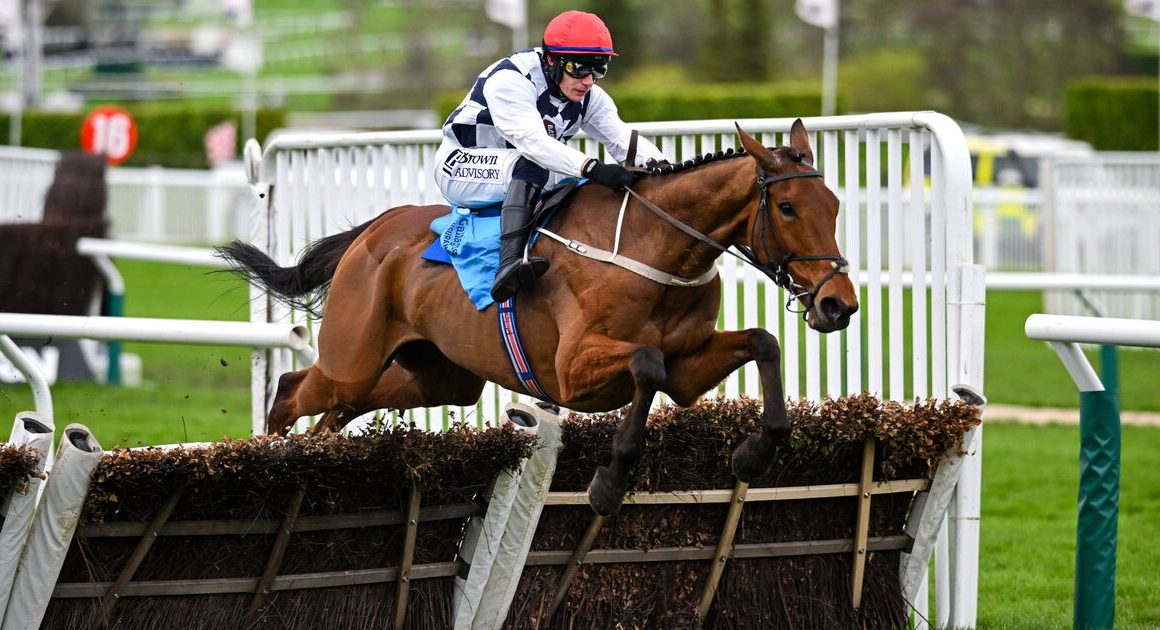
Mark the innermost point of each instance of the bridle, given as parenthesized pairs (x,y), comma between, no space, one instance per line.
(779,272)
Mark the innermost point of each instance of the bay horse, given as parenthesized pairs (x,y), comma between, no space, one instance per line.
(398,331)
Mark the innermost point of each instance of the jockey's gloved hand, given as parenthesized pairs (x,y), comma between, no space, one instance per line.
(613,176)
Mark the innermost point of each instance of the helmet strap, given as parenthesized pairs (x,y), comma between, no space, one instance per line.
(554,71)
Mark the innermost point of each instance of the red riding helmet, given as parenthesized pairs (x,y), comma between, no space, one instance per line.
(577,33)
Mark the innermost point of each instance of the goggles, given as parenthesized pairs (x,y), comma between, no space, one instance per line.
(597,66)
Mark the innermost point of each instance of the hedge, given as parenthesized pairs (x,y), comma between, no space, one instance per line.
(1114,113)
(169,138)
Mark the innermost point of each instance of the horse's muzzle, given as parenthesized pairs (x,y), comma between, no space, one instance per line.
(830,313)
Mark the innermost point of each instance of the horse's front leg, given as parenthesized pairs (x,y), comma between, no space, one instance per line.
(692,375)
(599,361)
(609,484)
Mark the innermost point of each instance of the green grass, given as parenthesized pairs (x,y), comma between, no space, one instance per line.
(190,393)
(1019,371)
(1027,554)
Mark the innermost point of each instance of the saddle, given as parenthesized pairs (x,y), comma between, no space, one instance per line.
(469,240)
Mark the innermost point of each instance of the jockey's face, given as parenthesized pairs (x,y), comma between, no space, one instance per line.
(575,89)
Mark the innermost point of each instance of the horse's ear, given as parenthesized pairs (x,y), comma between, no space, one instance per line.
(754,148)
(799,140)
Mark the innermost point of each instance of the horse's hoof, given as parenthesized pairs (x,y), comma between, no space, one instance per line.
(603,496)
(753,458)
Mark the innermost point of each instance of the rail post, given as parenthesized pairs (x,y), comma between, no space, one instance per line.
(1099,456)
(1099,499)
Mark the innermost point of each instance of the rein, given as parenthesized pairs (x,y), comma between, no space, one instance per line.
(779,273)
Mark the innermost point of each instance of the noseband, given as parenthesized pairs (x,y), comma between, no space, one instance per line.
(779,272)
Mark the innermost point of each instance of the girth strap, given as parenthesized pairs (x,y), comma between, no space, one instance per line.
(510,336)
(630,158)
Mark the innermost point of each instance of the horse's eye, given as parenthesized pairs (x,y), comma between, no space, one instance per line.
(786,208)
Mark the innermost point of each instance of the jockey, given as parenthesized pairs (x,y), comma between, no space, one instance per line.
(506,139)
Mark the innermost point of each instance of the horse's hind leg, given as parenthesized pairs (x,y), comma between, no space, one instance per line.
(308,392)
(420,376)
(283,412)
(356,340)
(691,376)
(609,484)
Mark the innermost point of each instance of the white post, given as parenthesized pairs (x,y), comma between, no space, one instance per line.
(153,205)
(824,15)
(34,431)
(156,330)
(41,393)
(53,525)
(830,69)
(16,46)
(33,54)
(968,495)
(520,34)
(1102,330)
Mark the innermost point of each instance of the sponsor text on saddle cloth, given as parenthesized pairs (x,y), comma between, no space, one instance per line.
(469,241)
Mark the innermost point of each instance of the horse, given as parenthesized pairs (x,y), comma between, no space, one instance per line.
(397,331)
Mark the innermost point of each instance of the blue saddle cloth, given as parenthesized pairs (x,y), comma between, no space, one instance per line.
(469,241)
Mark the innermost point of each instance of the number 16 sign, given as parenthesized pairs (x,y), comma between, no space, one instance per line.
(110,131)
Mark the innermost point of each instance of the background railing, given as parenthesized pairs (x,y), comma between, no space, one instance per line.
(1092,215)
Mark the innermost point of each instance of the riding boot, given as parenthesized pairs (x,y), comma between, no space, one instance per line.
(515,216)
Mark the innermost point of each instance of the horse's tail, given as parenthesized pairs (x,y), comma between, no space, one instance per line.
(302,286)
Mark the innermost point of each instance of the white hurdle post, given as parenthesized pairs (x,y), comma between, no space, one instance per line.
(180,331)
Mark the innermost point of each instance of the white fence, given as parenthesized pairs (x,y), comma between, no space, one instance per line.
(891,225)
(1015,229)
(294,339)
(155,205)
(1106,220)
(1010,228)
(159,205)
(25,175)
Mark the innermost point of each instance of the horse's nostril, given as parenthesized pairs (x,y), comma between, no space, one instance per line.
(834,308)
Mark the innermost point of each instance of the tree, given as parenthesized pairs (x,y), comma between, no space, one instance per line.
(622,19)
(736,44)
(998,63)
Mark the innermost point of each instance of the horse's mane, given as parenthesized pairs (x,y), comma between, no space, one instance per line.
(666,168)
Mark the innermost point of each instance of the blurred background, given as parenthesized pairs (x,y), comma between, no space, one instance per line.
(373,64)
(1026,80)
